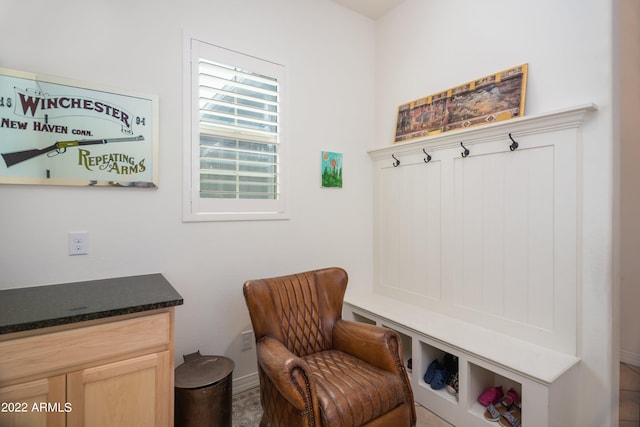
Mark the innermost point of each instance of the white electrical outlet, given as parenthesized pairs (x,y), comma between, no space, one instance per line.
(78,243)
(247,340)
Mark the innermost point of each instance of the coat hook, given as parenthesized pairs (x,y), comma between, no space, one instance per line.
(514,144)
(465,153)
(396,163)
(428,158)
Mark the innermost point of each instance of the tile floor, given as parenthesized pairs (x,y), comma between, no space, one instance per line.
(629,395)
(426,418)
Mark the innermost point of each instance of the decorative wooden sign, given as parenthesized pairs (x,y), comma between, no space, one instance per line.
(493,98)
(59,132)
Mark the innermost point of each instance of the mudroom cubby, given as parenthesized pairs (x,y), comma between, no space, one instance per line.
(428,353)
(483,379)
(477,253)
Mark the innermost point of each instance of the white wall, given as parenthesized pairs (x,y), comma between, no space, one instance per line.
(424,47)
(137,46)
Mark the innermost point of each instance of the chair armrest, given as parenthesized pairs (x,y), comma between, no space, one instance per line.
(378,346)
(288,373)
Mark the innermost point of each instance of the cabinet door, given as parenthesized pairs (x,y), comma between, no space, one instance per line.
(133,392)
(36,403)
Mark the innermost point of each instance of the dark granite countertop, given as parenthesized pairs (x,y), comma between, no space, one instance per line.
(37,307)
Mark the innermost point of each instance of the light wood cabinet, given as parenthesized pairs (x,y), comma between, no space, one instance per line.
(21,403)
(135,390)
(115,371)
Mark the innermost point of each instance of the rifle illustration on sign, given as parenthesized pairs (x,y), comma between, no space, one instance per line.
(60,147)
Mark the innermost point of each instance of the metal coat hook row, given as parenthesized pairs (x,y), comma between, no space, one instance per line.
(514,144)
(397,162)
(428,158)
(465,153)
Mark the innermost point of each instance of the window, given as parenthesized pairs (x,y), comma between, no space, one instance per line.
(234,148)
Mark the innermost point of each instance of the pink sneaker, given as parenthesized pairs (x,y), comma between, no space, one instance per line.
(492,395)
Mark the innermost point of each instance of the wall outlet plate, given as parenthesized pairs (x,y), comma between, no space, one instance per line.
(78,243)
(247,340)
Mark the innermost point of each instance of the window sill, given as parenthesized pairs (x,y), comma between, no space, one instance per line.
(233,216)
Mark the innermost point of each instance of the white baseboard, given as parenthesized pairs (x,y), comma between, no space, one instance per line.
(630,357)
(245,383)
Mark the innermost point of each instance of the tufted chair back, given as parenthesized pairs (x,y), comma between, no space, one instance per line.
(291,310)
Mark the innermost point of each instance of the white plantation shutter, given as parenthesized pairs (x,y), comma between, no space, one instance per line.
(236,140)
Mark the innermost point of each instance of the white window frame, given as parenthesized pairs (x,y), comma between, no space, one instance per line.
(196,208)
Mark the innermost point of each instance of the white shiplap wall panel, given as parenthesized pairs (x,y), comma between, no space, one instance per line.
(505,234)
(412,193)
(490,238)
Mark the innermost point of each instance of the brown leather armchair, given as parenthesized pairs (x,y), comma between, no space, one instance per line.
(316,369)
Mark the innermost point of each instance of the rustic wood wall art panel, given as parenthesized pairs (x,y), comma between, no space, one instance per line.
(493,98)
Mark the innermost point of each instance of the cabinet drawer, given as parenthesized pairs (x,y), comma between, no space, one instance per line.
(57,351)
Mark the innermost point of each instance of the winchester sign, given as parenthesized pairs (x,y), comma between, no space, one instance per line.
(54,131)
